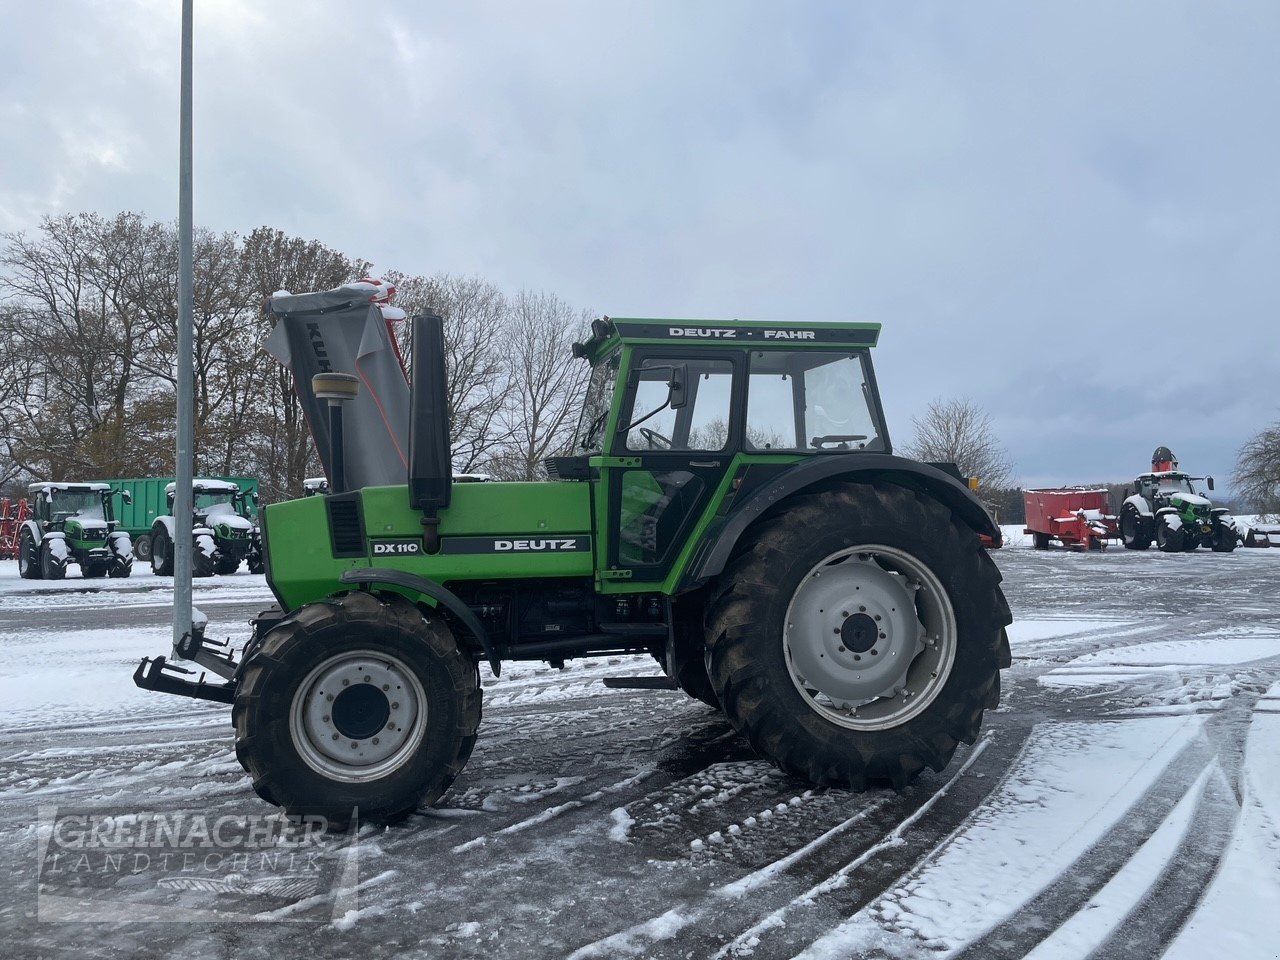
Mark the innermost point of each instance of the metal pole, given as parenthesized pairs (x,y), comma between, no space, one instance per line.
(182,505)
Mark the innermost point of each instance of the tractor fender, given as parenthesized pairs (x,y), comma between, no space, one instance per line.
(368,576)
(204,542)
(165,522)
(1164,511)
(1140,504)
(37,534)
(718,545)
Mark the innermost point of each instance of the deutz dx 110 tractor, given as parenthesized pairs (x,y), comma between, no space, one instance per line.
(731,506)
(73,523)
(1166,508)
(224,533)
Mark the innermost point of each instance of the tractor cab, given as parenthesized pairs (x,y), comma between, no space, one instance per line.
(80,509)
(219,504)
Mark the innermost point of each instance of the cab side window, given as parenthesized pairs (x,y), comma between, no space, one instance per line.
(701,424)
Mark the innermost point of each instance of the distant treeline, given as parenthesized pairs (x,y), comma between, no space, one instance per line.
(88,356)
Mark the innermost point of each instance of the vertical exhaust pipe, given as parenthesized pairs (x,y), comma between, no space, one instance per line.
(336,389)
(430,459)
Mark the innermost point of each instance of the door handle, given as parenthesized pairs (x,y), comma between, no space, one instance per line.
(704,463)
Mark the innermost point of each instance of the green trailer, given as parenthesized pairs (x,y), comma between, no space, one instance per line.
(138,518)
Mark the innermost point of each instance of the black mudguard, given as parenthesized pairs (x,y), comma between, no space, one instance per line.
(718,543)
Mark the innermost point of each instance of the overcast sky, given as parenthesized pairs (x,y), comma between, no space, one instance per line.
(1068,212)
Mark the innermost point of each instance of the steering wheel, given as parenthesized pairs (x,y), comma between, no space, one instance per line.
(840,438)
(655,440)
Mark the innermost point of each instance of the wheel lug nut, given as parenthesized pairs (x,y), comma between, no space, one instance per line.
(391,724)
(329,697)
(354,745)
(395,705)
(346,683)
(335,736)
(325,718)
(856,657)
(862,609)
(877,618)
(884,636)
(842,649)
(844,613)
(386,686)
(375,741)
(874,651)
(836,630)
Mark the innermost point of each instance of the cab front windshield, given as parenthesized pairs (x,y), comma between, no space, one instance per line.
(589,437)
(64,504)
(215,503)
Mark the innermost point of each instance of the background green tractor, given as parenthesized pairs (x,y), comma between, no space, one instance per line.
(223,528)
(73,523)
(1165,508)
(731,506)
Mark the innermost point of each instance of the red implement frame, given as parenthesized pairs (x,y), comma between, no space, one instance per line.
(12,515)
(1076,517)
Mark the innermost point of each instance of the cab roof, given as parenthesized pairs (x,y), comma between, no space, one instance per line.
(69,487)
(207,486)
(608,332)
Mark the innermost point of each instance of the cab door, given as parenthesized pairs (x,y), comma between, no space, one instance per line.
(678,432)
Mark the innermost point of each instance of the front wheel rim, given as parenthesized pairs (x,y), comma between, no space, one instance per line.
(358,716)
(869,637)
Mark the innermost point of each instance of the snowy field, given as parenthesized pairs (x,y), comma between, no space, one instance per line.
(1123,802)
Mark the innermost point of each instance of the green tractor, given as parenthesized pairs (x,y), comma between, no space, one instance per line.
(731,506)
(225,533)
(1165,508)
(73,523)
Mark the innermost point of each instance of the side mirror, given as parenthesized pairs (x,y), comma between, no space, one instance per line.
(126,496)
(1209,481)
(678,386)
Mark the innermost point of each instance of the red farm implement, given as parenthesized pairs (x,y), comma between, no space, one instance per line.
(1076,517)
(12,515)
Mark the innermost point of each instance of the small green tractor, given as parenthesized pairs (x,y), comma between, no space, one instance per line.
(1165,508)
(731,507)
(225,533)
(73,523)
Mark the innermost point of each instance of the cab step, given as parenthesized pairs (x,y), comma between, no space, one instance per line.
(640,683)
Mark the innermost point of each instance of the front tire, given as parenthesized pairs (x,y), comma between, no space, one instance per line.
(51,568)
(1169,539)
(1224,539)
(356,702)
(790,655)
(227,565)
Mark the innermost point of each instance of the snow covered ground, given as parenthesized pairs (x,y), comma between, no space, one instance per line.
(1123,801)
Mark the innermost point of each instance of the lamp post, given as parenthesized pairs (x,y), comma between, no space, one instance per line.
(182,498)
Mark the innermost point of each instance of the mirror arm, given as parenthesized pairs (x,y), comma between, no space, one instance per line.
(652,413)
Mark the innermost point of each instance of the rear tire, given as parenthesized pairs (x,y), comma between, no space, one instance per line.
(1040,541)
(142,547)
(1133,529)
(753,642)
(28,557)
(1224,539)
(228,565)
(120,571)
(1169,540)
(161,548)
(282,721)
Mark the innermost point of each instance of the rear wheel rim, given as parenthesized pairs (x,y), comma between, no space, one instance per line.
(869,637)
(358,716)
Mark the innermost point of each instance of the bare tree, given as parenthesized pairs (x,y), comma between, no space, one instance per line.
(475,316)
(547,384)
(1257,473)
(959,431)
